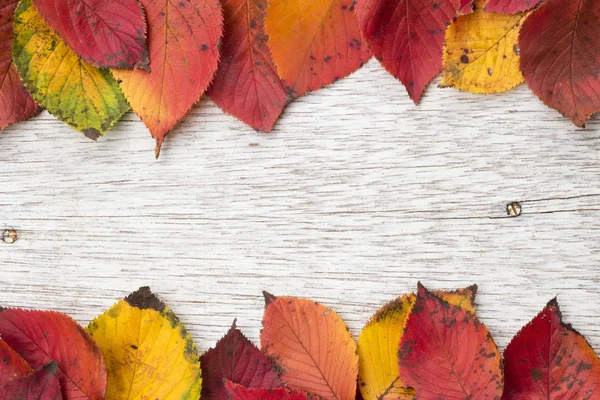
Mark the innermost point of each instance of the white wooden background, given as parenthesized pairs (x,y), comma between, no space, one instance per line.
(355,196)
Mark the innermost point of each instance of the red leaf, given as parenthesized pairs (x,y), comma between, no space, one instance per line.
(238,392)
(548,359)
(446,353)
(183,37)
(41,385)
(510,6)
(407,36)
(246,84)
(12,365)
(559,56)
(236,359)
(16,104)
(105,33)
(42,336)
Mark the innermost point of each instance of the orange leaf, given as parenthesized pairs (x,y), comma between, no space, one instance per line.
(12,365)
(548,359)
(314,42)
(183,40)
(447,353)
(312,345)
(246,84)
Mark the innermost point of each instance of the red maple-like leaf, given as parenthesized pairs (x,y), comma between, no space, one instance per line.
(42,336)
(41,385)
(559,45)
(105,33)
(407,36)
(236,359)
(550,360)
(447,353)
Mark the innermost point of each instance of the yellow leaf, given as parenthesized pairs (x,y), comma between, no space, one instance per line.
(148,352)
(85,97)
(481,54)
(378,342)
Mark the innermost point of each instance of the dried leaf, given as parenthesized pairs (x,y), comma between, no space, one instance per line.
(246,84)
(148,352)
(378,375)
(41,385)
(548,359)
(42,336)
(105,33)
(12,365)
(481,54)
(16,104)
(313,346)
(446,352)
(236,359)
(239,392)
(559,56)
(407,36)
(74,91)
(183,40)
(314,42)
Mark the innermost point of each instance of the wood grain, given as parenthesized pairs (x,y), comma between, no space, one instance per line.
(356,196)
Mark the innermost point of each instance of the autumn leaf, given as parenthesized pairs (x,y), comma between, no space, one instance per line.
(236,359)
(446,352)
(314,42)
(40,385)
(149,354)
(313,346)
(12,365)
(246,84)
(183,40)
(42,336)
(481,54)
(559,45)
(74,91)
(510,6)
(239,392)
(105,33)
(407,36)
(378,374)
(548,359)
(16,104)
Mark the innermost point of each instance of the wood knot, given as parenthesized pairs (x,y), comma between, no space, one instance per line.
(10,236)
(513,209)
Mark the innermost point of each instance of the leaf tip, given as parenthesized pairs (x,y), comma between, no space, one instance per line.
(269,298)
(553,303)
(143,298)
(157,148)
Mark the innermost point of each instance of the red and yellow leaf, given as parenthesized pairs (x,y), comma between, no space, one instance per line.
(12,365)
(550,360)
(447,353)
(510,6)
(236,359)
(42,336)
(312,345)
(105,33)
(246,84)
(183,40)
(314,42)
(41,385)
(239,392)
(407,36)
(16,104)
(559,45)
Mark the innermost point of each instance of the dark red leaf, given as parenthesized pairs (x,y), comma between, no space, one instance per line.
(41,385)
(236,359)
(447,353)
(548,359)
(559,45)
(105,33)
(16,104)
(246,84)
(12,365)
(510,6)
(407,36)
(42,336)
(238,392)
